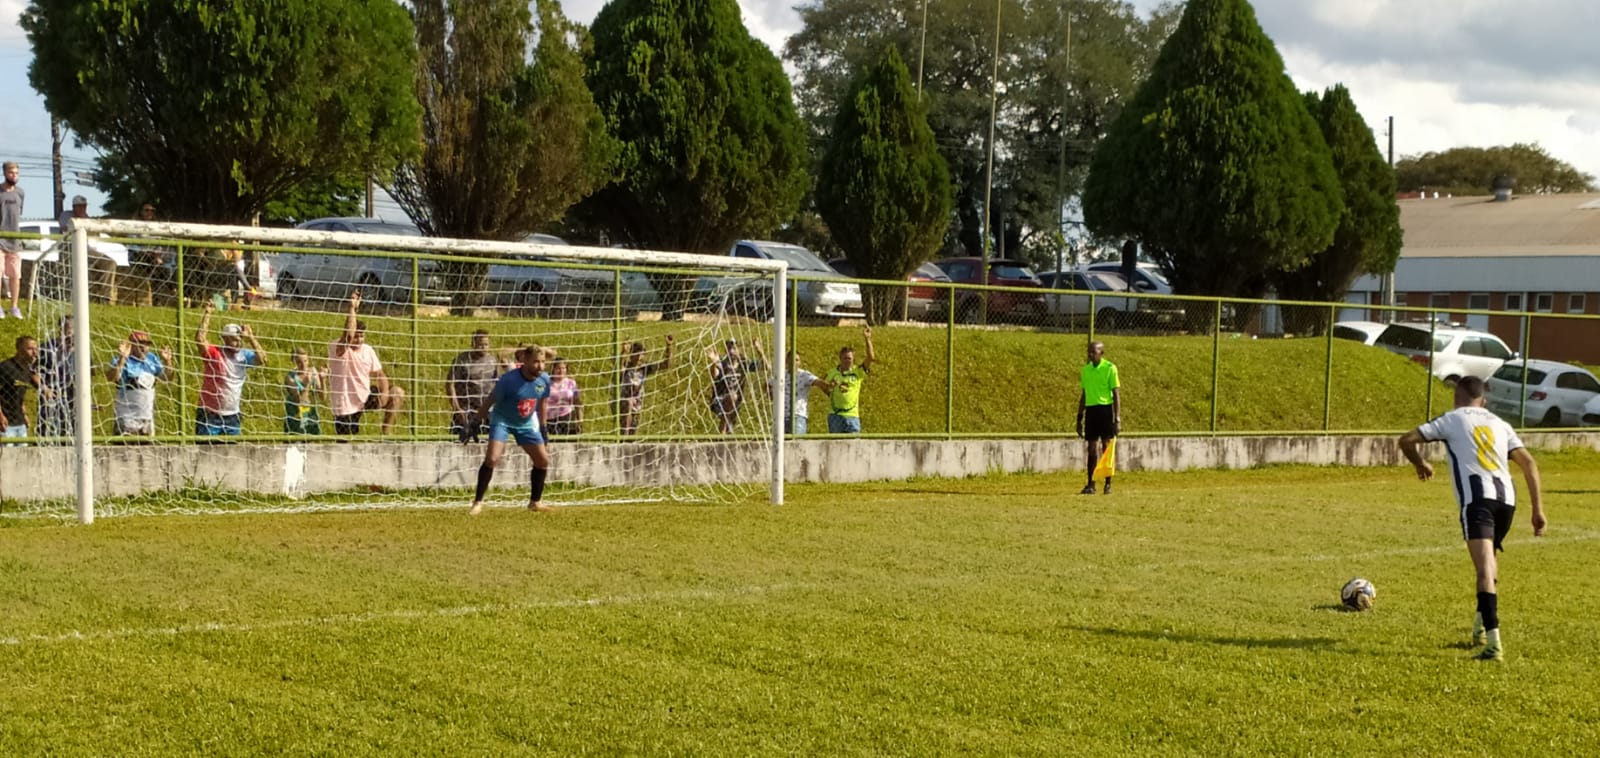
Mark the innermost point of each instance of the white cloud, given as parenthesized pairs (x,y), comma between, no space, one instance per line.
(11,34)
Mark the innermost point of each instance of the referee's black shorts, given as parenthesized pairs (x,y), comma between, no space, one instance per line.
(1099,422)
(1486,519)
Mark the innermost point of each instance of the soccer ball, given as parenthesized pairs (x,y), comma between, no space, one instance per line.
(1358,594)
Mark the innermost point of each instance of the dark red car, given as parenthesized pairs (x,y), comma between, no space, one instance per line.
(1003,272)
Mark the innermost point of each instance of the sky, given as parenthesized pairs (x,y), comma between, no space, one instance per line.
(1451,72)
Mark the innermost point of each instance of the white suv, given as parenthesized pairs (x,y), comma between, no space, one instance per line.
(1456,350)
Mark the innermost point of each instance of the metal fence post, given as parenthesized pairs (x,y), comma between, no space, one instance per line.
(1327,372)
(1527,353)
(1216,358)
(416,339)
(616,347)
(183,344)
(1433,328)
(950,366)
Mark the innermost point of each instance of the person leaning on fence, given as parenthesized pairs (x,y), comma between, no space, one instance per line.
(301,386)
(18,374)
(353,368)
(223,375)
(564,410)
(472,375)
(727,383)
(630,385)
(11,202)
(843,385)
(135,372)
(58,382)
(1099,409)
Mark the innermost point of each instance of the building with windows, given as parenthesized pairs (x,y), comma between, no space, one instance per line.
(1538,254)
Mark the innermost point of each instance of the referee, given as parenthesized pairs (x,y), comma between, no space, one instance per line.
(1099,410)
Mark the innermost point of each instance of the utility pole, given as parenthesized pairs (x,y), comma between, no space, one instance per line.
(1061,157)
(60,193)
(1387,280)
(370,214)
(922,50)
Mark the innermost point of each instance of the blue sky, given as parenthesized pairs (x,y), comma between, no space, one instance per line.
(1451,72)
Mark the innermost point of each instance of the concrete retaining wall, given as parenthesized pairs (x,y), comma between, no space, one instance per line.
(40,473)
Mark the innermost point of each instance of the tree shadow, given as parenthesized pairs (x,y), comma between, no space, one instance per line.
(1279,643)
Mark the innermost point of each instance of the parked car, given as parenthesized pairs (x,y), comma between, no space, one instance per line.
(1071,307)
(1364,332)
(49,251)
(1002,272)
(823,293)
(542,287)
(1147,277)
(1591,413)
(1558,393)
(331,277)
(921,302)
(1456,351)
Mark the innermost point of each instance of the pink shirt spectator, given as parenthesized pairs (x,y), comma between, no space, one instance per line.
(222,381)
(350,377)
(563,392)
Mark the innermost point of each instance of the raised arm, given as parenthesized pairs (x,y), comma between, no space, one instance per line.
(114,372)
(666,358)
(200,339)
(250,334)
(349,335)
(872,355)
(1530,474)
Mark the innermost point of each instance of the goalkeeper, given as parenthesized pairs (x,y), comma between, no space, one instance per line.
(515,409)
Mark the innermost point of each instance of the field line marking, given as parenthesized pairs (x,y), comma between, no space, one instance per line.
(354,619)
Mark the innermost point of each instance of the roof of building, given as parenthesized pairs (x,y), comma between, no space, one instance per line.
(1479,227)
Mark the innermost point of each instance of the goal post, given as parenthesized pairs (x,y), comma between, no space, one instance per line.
(592,305)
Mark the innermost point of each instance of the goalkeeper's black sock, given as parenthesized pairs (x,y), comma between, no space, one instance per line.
(537,475)
(485,473)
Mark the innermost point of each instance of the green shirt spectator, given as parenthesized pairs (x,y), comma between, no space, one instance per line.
(843,385)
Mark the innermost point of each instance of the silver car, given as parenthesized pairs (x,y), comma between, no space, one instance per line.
(331,276)
(546,287)
(823,293)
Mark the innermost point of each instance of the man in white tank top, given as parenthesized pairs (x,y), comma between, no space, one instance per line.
(1480,445)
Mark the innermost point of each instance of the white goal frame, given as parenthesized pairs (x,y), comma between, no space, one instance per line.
(83,360)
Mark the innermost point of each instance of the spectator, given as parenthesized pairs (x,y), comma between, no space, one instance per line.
(222,379)
(630,388)
(727,383)
(801,382)
(472,375)
(134,372)
(352,368)
(18,374)
(80,209)
(564,409)
(515,410)
(11,202)
(58,382)
(843,385)
(300,389)
(149,279)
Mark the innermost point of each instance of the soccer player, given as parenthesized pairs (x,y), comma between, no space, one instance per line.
(1479,444)
(515,409)
(1099,409)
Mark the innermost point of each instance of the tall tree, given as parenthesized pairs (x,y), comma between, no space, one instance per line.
(214,108)
(883,188)
(1216,167)
(511,134)
(1473,170)
(1057,96)
(712,149)
(1368,239)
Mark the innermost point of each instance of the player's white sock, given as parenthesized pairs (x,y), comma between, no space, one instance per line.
(1477,629)
(1494,639)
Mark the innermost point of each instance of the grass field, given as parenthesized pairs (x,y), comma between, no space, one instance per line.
(1189,614)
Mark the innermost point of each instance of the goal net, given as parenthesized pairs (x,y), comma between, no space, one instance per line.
(236,368)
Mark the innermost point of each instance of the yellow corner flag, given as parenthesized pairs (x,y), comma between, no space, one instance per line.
(1108,462)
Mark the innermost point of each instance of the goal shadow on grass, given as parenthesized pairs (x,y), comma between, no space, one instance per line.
(1278,643)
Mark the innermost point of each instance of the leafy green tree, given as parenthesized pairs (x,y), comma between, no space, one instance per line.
(1057,98)
(883,188)
(1216,167)
(712,149)
(1473,170)
(1369,237)
(212,109)
(509,142)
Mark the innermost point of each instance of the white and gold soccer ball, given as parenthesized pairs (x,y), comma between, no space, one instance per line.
(1358,594)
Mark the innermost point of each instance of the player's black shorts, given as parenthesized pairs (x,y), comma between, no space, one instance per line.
(1486,519)
(1099,422)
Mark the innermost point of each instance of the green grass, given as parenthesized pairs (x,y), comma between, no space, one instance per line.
(1189,614)
(1006,381)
